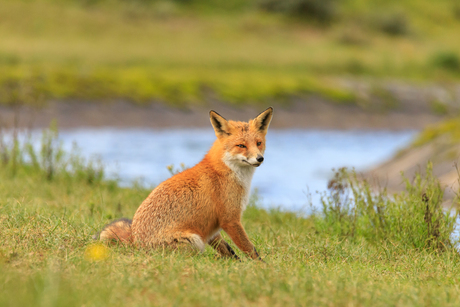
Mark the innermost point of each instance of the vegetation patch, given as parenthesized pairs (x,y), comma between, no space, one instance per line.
(393,24)
(175,86)
(439,107)
(322,11)
(414,218)
(447,60)
(448,130)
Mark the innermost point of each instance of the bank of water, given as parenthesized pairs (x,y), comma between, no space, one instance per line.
(297,163)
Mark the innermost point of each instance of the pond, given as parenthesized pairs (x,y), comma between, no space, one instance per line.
(297,162)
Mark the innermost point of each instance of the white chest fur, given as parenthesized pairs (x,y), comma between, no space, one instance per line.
(243,174)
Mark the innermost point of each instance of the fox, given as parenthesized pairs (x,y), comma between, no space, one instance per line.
(195,205)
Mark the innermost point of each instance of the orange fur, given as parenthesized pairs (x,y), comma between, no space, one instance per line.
(117,231)
(194,205)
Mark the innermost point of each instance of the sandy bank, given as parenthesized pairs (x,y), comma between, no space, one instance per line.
(378,105)
(312,113)
(442,154)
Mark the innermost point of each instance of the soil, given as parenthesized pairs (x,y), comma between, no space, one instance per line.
(444,157)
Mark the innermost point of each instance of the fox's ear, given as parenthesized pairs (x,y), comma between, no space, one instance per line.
(219,123)
(262,121)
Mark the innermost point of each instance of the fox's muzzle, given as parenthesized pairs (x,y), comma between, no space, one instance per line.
(256,161)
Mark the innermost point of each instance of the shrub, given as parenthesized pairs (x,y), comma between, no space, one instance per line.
(9,58)
(439,107)
(446,60)
(456,11)
(412,219)
(319,10)
(355,66)
(393,24)
(28,90)
(47,160)
(449,130)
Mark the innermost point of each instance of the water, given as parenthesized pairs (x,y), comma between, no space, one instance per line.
(297,162)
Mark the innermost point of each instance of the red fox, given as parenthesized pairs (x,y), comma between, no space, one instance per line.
(195,205)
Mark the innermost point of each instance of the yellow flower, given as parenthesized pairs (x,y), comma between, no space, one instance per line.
(97,252)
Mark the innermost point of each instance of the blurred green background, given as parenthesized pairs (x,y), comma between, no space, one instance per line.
(181,51)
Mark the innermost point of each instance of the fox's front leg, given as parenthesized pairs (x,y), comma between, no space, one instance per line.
(236,232)
(222,247)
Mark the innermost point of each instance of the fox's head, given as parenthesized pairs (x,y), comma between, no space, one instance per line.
(243,143)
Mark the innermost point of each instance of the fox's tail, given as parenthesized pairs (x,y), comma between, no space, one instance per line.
(119,231)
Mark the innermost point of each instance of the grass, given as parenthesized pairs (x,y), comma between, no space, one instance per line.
(448,131)
(370,249)
(188,53)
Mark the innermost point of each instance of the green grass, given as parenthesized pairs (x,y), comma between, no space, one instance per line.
(448,131)
(368,250)
(187,53)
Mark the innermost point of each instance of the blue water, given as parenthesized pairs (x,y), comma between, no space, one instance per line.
(297,162)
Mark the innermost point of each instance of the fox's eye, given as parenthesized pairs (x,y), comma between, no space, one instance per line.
(258,143)
(241,146)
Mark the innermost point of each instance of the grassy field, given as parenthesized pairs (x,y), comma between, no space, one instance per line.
(241,52)
(370,249)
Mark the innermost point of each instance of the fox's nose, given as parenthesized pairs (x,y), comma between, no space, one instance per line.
(260,159)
